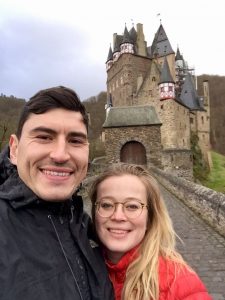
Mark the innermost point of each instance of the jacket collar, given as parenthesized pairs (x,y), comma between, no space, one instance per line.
(118,270)
(14,191)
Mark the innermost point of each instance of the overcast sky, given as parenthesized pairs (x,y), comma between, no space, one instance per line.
(45,43)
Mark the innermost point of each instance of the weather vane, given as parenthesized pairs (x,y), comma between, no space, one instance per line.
(132,22)
(158,15)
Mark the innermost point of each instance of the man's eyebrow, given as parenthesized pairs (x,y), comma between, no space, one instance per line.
(52,131)
(77,134)
(43,129)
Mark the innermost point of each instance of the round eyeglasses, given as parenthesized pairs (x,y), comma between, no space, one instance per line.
(131,208)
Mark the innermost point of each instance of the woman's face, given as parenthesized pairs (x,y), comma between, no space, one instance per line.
(119,233)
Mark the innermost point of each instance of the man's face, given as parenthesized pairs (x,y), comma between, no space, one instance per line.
(52,154)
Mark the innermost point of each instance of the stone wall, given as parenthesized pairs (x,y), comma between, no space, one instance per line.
(148,136)
(210,205)
(179,162)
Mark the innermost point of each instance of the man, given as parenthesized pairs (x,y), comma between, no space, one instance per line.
(45,252)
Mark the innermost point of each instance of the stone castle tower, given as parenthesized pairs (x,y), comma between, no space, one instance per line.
(153,105)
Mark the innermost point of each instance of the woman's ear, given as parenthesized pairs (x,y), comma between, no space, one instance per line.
(13,145)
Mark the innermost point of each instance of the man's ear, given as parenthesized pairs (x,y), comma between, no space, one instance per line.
(13,145)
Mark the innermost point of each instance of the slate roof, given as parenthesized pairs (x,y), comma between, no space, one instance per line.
(161,45)
(131,116)
(118,41)
(165,74)
(126,37)
(189,95)
(133,34)
(110,54)
(178,55)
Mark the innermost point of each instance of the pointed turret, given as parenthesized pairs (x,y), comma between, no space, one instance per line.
(108,104)
(116,50)
(127,44)
(109,61)
(178,55)
(110,54)
(161,45)
(165,74)
(126,36)
(166,83)
(179,60)
(133,35)
(189,95)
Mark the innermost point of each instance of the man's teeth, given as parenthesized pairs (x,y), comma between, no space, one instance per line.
(54,173)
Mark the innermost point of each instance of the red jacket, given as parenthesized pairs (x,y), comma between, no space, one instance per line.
(186,286)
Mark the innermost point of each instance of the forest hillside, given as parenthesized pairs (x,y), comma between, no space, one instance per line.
(10,108)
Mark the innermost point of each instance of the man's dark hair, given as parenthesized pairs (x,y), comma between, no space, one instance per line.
(45,100)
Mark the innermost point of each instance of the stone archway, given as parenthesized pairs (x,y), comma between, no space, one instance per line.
(134,153)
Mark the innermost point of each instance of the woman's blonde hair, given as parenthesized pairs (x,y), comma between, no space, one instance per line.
(142,280)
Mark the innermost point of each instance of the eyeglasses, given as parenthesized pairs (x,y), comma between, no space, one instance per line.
(131,208)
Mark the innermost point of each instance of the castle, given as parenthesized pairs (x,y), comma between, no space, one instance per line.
(152,106)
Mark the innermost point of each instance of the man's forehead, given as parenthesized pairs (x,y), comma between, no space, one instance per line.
(56,119)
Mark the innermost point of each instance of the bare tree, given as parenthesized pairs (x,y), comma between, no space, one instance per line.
(3,135)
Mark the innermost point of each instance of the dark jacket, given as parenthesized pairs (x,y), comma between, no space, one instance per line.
(45,252)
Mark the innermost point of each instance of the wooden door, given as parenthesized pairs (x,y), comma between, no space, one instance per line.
(133,153)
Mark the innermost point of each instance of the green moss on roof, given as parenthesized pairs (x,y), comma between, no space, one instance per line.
(131,116)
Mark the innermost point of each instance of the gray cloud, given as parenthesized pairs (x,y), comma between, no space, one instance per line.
(36,54)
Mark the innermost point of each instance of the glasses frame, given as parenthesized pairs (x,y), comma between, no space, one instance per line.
(97,205)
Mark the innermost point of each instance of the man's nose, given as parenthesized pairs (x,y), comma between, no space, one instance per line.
(59,152)
(118,213)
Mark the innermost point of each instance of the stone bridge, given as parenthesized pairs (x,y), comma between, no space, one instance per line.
(203,248)
(200,224)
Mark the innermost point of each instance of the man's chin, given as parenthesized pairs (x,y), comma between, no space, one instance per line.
(52,197)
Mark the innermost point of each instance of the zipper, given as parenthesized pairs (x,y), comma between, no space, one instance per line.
(71,210)
(64,253)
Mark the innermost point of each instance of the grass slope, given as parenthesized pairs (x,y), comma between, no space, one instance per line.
(216,177)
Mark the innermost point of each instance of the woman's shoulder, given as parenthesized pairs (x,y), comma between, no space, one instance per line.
(179,281)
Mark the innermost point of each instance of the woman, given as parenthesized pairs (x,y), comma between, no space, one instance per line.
(138,238)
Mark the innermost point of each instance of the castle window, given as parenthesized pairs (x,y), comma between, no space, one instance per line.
(170,89)
(191,120)
(202,120)
(162,89)
(153,78)
(161,106)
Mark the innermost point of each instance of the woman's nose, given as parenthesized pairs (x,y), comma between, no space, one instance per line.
(118,213)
